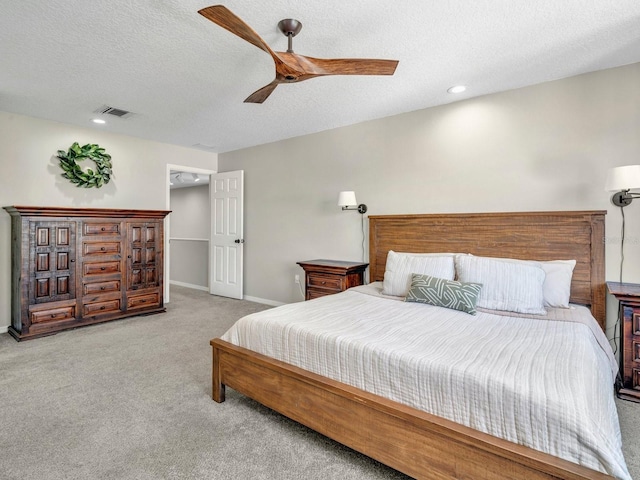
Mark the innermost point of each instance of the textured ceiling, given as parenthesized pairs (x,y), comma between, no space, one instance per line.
(186,78)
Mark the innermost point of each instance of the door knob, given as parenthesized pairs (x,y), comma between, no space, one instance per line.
(239,240)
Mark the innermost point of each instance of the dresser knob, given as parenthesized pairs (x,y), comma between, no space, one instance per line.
(103,249)
(103,268)
(102,307)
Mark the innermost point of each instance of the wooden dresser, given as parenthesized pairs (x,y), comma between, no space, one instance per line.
(326,277)
(629,296)
(73,267)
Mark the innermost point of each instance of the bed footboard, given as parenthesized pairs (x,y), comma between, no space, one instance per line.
(414,442)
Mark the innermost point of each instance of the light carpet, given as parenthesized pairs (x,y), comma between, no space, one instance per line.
(130,399)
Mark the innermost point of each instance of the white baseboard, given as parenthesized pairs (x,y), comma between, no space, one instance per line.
(264,301)
(189,285)
(249,298)
(4,329)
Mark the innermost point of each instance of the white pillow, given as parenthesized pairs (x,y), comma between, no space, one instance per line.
(557,282)
(506,285)
(400,267)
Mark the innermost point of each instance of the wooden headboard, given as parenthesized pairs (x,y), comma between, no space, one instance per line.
(527,236)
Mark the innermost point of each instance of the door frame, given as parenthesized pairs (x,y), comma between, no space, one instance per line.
(167,219)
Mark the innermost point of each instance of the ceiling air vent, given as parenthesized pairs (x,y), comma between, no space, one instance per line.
(116,112)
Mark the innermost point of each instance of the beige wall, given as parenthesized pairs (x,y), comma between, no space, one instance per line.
(30,175)
(545,147)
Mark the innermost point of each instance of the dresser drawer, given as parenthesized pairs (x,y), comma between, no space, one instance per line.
(53,314)
(100,268)
(99,308)
(320,280)
(101,248)
(145,300)
(101,287)
(102,228)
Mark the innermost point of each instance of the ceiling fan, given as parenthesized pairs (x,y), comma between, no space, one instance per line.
(292,67)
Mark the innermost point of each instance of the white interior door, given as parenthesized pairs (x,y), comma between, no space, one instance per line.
(226,234)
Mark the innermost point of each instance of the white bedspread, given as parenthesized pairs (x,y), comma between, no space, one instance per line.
(542,383)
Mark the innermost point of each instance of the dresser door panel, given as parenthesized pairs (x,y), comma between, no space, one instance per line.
(143,248)
(52,261)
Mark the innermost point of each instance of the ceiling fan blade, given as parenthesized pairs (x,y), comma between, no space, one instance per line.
(341,66)
(222,16)
(261,95)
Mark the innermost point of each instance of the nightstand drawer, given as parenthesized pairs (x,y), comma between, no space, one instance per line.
(330,282)
(316,293)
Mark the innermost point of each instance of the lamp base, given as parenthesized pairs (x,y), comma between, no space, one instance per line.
(362,208)
(621,199)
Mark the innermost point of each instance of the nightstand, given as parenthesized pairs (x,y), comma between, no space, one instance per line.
(326,277)
(629,296)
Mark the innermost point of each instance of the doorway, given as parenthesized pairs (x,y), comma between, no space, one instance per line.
(191,236)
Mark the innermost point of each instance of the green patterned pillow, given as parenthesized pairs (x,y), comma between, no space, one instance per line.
(444,293)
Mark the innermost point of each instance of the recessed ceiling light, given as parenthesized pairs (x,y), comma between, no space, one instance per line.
(457,89)
(98,120)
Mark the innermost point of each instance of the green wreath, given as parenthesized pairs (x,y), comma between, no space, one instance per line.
(88,179)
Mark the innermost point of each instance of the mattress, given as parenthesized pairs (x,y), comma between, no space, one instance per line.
(545,382)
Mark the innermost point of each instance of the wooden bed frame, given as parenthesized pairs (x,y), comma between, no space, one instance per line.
(411,441)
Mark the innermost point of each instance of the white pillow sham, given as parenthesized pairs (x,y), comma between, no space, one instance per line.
(506,285)
(557,281)
(400,266)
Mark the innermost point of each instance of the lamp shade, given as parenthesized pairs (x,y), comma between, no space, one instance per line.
(347,199)
(623,178)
